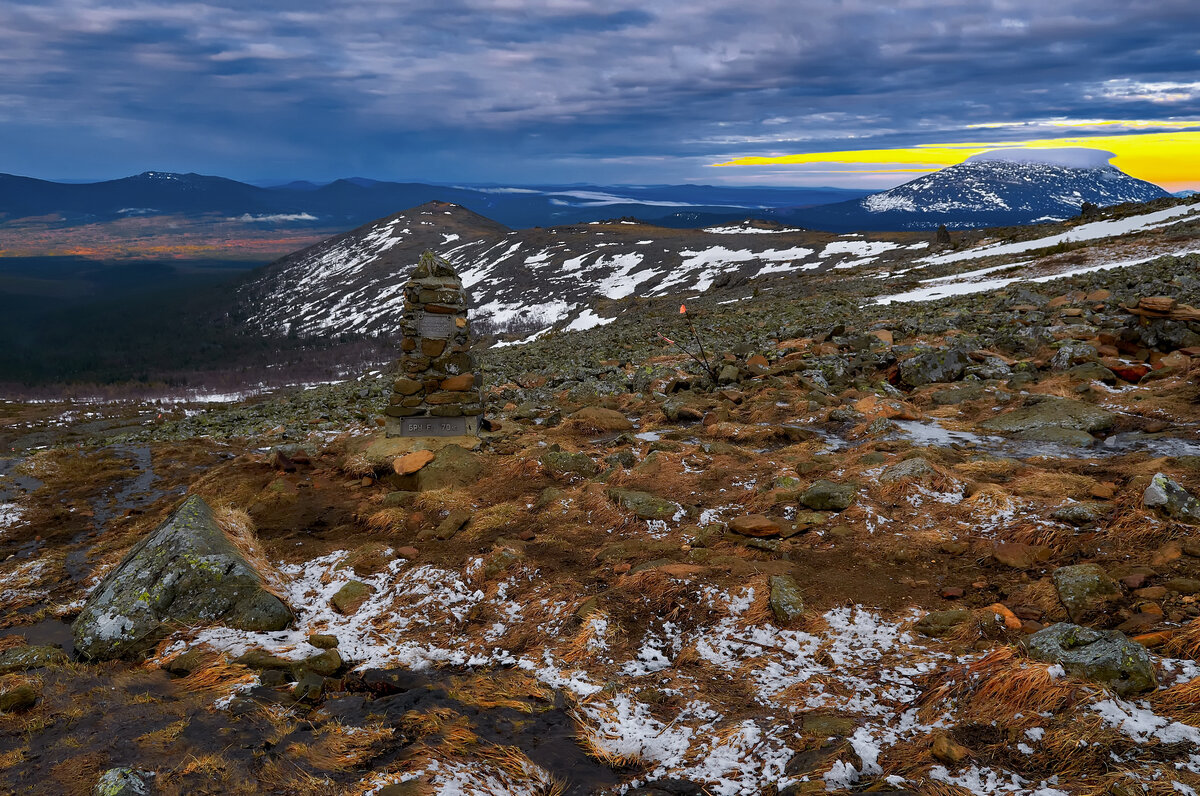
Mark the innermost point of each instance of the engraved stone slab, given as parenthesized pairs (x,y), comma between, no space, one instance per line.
(437,327)
(438,426)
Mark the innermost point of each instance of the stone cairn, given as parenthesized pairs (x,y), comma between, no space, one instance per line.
(437,389)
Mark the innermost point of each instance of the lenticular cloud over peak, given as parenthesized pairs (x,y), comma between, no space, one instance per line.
(1070,157)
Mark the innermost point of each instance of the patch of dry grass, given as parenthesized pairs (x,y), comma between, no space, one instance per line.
(387,520)
(1046,484)
(335,747)
(356,465)
(1186,641)
(998,687)
(239,529)
(996,470)
(503,689)
(1180,701)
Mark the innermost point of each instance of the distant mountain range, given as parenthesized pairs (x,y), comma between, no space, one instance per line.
(350,202)
(982,192)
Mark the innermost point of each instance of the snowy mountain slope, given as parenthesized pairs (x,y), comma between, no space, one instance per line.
(1000,185)
(576,277)
(530,279)
(982,192)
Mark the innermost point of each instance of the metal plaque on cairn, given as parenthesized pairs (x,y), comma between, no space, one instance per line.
(437,389)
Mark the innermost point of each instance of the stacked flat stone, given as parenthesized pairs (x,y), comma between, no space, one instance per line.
(437,389)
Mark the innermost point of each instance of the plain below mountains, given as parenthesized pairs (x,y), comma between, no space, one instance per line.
(350,202)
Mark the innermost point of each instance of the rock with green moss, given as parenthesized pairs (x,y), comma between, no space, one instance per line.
(939,365)
(350,597)
(561,463)
(941,623)
(1084,589)
(787,603)
(20,659)
(643,504)
(184,573)
(18,698)
(1106,657)
(1166,496)
(829,496)
(1040,418)
(122,782)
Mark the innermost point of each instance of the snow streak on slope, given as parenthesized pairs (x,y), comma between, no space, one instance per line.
(971,282)
(1096,230)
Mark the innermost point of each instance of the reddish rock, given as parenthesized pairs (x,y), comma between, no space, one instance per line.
(1151,593)
(1163,304)
(526,535)
(1153,640)
(407,552)
(412,462)
(952,593)
(1020,556)
(1135,581)
(602,419)
(622,568)
(461,383)
(1129,371)
(754,525)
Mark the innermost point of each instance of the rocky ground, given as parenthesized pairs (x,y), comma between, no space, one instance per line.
(880,541)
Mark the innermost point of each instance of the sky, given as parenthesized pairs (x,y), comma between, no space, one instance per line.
(850,93)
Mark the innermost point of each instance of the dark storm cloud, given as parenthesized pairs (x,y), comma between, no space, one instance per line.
(565,89)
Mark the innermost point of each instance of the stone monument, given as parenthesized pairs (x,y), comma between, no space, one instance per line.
(437,388)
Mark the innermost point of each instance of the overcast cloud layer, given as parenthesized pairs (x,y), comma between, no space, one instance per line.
(559,90)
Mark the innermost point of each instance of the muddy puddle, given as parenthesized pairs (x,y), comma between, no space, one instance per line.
(926,433)
(45,633)
(145,718)
(125,495)
(543,730)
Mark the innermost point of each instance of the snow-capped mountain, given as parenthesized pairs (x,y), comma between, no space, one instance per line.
(529,279)
(996,189)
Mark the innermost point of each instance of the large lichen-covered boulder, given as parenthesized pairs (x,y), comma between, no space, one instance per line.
(186,572)
(1106,657)
(1054,420)
(1171,499)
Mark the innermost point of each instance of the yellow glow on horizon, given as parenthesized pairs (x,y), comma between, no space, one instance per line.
(1171,160)
(1132,124)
